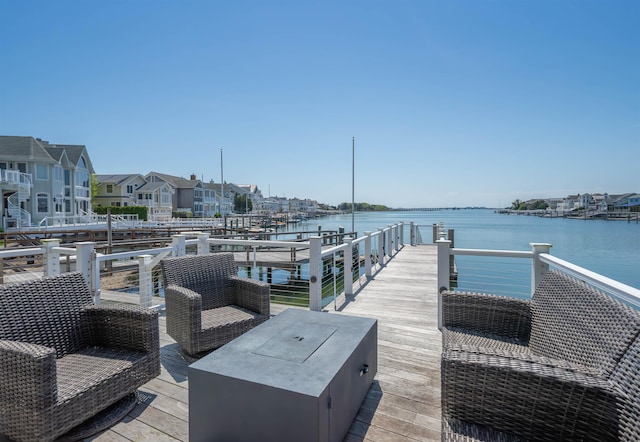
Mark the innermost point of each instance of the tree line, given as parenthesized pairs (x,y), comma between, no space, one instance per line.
(363,207)
(529,205)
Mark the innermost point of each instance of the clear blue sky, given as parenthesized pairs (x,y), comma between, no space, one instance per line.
(450,102)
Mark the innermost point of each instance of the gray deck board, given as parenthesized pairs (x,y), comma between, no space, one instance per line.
(403,403)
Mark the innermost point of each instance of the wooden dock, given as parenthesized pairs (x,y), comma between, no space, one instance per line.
(403,403)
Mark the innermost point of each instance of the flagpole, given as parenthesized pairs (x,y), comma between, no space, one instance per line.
(221,186)
(353,181)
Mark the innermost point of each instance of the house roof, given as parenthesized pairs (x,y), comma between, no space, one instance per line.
(236,189)
(154,185)
(74,152)
(116,179)
(24,149)
(17,148)
(251,188)
(175,181)
(617,198)
(163,176)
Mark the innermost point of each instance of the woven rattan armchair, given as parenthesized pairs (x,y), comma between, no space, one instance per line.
(563,366)
(207,304)
(64,360)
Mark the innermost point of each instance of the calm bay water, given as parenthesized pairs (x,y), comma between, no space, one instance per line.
(611,248)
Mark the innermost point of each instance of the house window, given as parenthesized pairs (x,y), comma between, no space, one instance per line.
(3,166)
(42,200)
(57,172)
(83,185)
(22,167)
(166,197)
(42,172)
(67,177)
(109,188)
(58,203)
(129,189)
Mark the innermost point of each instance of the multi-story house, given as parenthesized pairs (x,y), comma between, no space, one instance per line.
(43,182)
(294,205)
(158,198)
(210,200)
(554,204)
(276,204)
(117,190)
(626,202)
(225,203)
(309,206)
(254,194)
(599,202)
(133,190)
(188,194)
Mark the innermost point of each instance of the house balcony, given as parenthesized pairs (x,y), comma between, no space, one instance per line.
(15,177)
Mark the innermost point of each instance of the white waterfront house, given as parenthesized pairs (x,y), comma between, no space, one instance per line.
(275,204)
(308,206)
(126,190)
(254,194)
(43,182)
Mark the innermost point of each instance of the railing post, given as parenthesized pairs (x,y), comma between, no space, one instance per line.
(538,268)
(390,242)
(145,280)
(51,259)
(367,255)
(444,251)
(315,273)
(179,245)
(88,268)
(412,233)
(203,245)
(452,262)
(348,267)
(381,247)
(401,242)
(394,237)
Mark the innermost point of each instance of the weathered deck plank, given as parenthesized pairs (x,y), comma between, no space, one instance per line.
(403,403)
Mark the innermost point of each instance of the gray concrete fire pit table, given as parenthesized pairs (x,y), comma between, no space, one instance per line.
(300,376)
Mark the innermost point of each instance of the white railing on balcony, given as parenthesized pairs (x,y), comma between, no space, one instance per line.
(15,177)
(324,280)
(15,215)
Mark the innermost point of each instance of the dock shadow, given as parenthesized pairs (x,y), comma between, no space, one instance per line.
(175,361)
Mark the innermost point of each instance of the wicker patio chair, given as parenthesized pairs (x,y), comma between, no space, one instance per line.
(63,360)
(562,366)
(207,304)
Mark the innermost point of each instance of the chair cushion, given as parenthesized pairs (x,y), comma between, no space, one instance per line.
(453,337)
(92,367)
(227,315)
(454,430)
